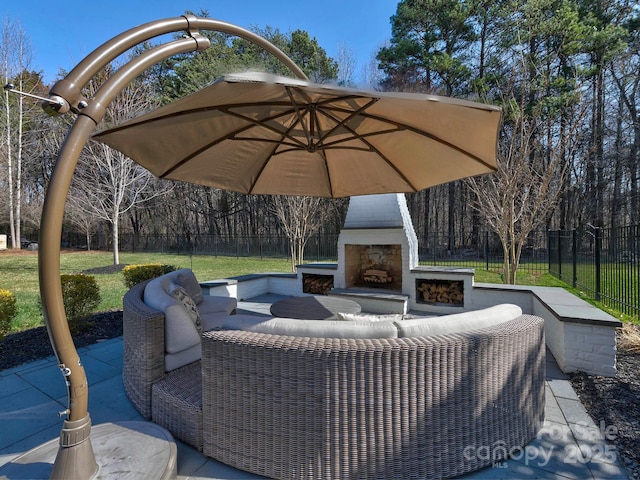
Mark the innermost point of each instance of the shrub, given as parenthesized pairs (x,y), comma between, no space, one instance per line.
(135,274)
(7,311)
(81,296)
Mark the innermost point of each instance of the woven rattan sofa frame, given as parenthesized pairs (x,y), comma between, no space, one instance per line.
(428,407)
(290,407)
(174,399)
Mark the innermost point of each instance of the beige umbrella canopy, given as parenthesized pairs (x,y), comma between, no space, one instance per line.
(264,134)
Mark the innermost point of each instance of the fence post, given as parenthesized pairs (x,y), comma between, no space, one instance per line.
(574,280)
(598,258)
(549,232)
(559,254)
(486,249)
(433,247)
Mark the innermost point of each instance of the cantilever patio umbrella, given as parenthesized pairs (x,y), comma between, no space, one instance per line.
(248,133)
(265,134)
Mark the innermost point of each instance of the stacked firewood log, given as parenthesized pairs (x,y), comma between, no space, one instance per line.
(377,276)
(317,284)
(442,292)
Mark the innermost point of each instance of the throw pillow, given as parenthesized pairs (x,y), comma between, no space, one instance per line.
(371,317)
(183,297)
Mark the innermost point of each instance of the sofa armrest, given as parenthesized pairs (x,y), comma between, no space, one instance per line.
(143,348)
(216,304)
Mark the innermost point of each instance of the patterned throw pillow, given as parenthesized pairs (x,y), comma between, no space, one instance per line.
(181,295)
(370,317)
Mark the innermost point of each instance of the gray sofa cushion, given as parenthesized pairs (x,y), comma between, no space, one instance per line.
(459,322)
(180,331)
(211,304)
(311,328)
(187,280)
(173,361)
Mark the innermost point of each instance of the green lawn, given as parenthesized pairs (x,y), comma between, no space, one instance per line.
(493,274)
(19,274)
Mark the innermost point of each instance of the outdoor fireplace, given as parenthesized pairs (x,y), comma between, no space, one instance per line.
(377,247)
(378,264)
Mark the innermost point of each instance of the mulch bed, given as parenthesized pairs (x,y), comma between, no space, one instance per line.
(616,402)
(33,344)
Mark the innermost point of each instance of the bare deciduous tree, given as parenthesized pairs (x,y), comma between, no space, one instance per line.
(107,183)
(525,190)
(300,218)
(346,66)
(78,216)
(15,53)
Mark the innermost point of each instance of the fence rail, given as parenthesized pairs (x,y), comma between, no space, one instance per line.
(481,251)
(602,262)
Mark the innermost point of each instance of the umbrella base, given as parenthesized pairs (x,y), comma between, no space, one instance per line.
(122,450)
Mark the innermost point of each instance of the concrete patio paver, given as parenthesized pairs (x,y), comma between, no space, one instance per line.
(569,446)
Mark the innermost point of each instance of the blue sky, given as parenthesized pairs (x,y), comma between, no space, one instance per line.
(63,32)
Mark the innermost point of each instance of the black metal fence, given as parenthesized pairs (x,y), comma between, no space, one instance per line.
(602,262)
(319,247)
(479,251)
(482,251)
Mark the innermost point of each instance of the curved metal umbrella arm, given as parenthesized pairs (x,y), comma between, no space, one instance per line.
(68,90)
(53,213)
(75,457)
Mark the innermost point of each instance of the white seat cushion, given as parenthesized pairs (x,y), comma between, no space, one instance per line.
(459,322)
(311,328)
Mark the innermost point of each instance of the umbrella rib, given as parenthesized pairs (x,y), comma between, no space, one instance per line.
(432,137)
(299,116)
(339,123)
(232,135)
(399,126)
(308,134)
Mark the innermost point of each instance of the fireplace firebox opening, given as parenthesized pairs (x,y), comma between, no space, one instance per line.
(440,292)
(373,266)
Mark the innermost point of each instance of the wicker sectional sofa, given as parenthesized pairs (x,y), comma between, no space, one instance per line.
(291,406)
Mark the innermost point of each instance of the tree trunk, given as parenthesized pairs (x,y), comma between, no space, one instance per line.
(18,172)
(114,239)
(15,242)
(452,217)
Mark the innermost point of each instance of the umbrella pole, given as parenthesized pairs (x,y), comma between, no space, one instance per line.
(77,426)
(75,457)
